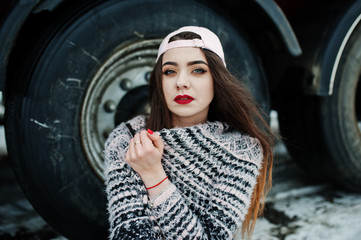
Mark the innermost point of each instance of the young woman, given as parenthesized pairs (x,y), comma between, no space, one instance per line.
(205,170)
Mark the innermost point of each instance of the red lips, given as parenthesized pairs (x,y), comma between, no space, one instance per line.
(183,99)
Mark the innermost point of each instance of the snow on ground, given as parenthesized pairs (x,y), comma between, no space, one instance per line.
(297,210)
(300,208)
(326,215)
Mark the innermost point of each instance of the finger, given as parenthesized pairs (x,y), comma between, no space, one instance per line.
(138,144)
(146,141)
(127,156)
(137,141)
(156,139)
(132,154)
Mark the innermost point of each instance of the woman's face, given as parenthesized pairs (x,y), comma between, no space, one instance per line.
(187,85)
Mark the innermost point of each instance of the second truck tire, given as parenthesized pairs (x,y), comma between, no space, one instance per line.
(324,133)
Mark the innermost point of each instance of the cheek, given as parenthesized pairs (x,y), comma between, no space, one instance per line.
(166,90)
(210,89)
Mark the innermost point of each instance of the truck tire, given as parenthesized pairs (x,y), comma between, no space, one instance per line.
(324,133)
(84,76)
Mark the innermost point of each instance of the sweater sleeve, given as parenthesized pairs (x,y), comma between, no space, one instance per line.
(175,217)
(228,204)
(127,198)
(233,190)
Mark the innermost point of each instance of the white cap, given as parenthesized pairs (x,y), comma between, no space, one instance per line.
(209,41)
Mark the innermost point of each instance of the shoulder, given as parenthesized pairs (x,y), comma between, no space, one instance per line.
(137,124)
(253,149)
(122,134)
(244,147)
(240,145)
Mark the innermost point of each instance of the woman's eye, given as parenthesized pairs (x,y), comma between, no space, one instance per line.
(168,72)
(199,70)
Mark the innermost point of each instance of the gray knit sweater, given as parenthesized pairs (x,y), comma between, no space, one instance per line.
(213,171)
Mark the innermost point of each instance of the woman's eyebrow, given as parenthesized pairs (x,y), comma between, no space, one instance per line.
(197,62)
(170,63)
(188,64)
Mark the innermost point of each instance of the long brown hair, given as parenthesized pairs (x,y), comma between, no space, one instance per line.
(233,104)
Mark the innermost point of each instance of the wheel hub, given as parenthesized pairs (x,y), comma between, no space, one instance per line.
(117,92)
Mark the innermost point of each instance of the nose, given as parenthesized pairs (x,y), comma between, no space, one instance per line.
(183,82)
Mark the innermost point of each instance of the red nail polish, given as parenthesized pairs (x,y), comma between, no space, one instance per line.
(150,131)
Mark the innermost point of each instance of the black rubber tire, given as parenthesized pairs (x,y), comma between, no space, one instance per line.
(323,133)
(43,110)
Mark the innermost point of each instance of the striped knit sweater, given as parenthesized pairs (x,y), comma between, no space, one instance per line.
(213,171)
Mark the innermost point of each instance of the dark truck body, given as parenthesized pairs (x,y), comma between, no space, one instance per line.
(55,57)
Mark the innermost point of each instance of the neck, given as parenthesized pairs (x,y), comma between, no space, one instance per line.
(187,121)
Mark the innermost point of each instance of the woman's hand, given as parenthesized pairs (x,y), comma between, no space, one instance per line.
(144,156)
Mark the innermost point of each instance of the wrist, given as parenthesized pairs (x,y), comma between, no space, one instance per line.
(158,188)
(155,181)
(152,178)
(156,185)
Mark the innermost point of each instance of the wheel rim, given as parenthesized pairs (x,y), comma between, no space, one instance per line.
(117,92)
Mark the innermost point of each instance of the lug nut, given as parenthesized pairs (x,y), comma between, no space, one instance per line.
(109,106)
(107,132)
(126,84)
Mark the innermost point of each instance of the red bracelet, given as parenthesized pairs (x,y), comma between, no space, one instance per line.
(157,183)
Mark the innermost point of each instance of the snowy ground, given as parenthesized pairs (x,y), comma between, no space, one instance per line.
(299,210)
(329,216)
(297,207)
